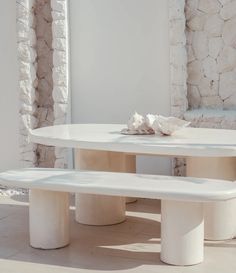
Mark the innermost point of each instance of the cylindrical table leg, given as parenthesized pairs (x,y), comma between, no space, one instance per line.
(220,220)
(95,209)
(129,166)
(49,219)
(182,232)
(99,210)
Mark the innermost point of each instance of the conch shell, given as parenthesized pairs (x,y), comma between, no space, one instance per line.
(151,124)
(137,126)
(136,122)
(168,125)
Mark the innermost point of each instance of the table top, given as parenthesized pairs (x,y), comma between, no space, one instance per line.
(184,142)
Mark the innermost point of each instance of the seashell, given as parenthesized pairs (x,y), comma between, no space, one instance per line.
(149,120)
(168,125)
(136,122)
(137,126)
(151,124)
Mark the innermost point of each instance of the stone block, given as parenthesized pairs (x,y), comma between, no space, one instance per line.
(215,46)
(210,68)
(229,32)
(214,25)
(59,58)
(212,102)
(227,59)
(59,28)
(209,6)
(60,94)
(208,87)
(177,33)
(60,75)
(177,9)
(191,8)
(59,6)
(195,73)
(194,97)
(58,15)
(178,75)
(197,22)
(190,54)
(227,84)
(60,110)
(59,43)
(200,45)
(224,2)
(230,102)
(228,10)
(26,71)
(178,55)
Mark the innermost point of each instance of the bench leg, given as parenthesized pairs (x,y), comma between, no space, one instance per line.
(220,220)
(49,219)
(182,232)
(97,209)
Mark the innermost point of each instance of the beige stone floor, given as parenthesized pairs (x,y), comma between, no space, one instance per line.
(133,246)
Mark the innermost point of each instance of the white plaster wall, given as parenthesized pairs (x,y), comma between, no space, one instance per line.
(9,151)
(120,63)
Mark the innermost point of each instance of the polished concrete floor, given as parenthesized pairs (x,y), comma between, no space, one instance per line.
(133,246)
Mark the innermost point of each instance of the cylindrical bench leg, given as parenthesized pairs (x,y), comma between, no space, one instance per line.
(182,232)
(49,219)
(220,220)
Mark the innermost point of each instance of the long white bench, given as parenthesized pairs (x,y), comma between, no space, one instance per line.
(182,220)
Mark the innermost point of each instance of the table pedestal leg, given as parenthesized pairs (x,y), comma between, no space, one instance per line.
(220,220)
(49,219)
(182,232)
(97,209)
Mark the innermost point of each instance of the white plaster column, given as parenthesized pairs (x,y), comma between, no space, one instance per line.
(49,219)
(182,232)
(95,209)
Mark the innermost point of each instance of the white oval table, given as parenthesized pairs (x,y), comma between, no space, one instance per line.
(209,153)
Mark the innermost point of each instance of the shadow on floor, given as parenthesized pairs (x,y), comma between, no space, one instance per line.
(116,247)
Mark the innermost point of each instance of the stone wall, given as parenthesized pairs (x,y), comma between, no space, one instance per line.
(60,72)
(211,46)
(44,99)
(27,57)
(43,75)
(178,58)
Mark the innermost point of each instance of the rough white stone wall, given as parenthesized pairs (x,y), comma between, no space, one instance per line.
(26,45)
(178,58)
(211,44)
(44,100)
(178,67)
(43,63)
(212,118)
(60,71)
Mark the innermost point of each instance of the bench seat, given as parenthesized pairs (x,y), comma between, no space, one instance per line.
(121,184)
(182,222)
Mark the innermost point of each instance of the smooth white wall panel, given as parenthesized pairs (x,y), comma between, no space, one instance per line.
(9,151)
(120,63)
